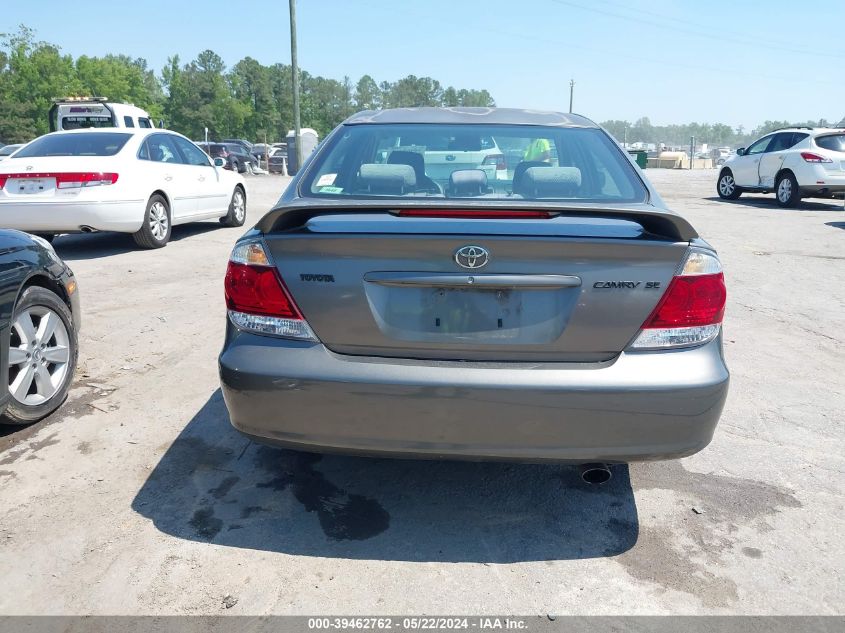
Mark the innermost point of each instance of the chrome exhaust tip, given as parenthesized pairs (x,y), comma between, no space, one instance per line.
(595,474)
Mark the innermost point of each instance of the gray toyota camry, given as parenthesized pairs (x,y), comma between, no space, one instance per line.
(475,283)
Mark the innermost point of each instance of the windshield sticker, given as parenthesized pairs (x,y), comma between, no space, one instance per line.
(326,179)
(331,189)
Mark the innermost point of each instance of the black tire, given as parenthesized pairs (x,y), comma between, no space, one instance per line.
(726,186)
(236,166)
(18,412)
(787,192)
(235,217)
(146,237)
(46,236)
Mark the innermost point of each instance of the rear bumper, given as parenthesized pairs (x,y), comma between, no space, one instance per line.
(823,191)
(823,181)
(67,217)
(643,406)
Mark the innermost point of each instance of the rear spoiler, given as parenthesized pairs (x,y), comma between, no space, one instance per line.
(656,222)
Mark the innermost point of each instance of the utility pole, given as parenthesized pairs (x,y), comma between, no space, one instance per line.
(691,150)
(294,68)
(571,92)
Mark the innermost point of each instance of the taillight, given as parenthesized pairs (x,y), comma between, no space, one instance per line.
(495,159)
(463,214)
(257,298)
(814,158)
(66,180)
(691,310)
(85,179)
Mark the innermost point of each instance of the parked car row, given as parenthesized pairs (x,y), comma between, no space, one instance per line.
(414,254)
(141,181)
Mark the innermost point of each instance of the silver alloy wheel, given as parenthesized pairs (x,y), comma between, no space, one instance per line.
(239,205)
(785,190)
(726,185)
(39,355)
(158,220)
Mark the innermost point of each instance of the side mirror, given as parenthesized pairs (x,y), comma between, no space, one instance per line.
(219,162)
(740,151)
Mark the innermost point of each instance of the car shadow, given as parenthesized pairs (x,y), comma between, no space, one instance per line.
(214,485)
(836,225)
(768,202)
(79,246)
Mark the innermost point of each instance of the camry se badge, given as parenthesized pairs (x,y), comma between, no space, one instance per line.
(630,285)
(472,257)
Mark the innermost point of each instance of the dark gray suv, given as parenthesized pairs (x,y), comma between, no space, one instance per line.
(551,308)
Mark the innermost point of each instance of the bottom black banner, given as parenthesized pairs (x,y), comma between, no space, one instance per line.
(569,624)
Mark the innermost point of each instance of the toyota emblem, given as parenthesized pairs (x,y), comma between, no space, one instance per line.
(472,257)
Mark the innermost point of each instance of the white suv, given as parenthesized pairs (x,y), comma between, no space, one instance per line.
(794,163)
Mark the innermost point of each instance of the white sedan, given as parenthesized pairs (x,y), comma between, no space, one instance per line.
(139,181)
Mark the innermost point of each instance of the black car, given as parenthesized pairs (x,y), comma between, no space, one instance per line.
(242,143)
(237,159)
(39,321)
(241,157)
(234,155)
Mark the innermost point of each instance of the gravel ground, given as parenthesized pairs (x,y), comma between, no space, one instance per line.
(138,497)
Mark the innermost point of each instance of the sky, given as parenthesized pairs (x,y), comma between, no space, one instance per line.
(723,61)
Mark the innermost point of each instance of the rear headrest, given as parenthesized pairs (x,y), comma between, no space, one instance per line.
(465,143)
(551,182)
(401,157)
(467,182)
(388,179)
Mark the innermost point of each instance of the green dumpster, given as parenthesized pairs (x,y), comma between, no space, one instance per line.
(640,156)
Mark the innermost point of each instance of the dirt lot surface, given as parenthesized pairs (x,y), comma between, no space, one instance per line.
(139,498)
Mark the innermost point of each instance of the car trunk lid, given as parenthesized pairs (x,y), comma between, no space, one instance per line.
(48,177)
(563,289)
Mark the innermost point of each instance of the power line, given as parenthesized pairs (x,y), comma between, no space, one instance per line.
(744,36)
(663,62)
(697,33)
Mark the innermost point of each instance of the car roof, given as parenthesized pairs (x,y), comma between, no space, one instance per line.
(481,116)
(133,131)
(816,131)
(109,130)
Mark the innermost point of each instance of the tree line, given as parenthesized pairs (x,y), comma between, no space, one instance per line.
(714,134)
(254,101)
(248,100)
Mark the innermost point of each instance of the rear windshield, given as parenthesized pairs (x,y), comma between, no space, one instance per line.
(83,144)
(78,122)
(835,142)
(518,162)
